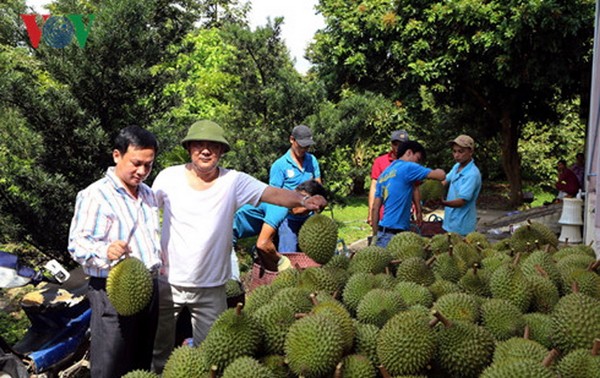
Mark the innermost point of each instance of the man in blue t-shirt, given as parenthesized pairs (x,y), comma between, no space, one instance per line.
(395,191)
(290,170)
(460,213)
(264,220)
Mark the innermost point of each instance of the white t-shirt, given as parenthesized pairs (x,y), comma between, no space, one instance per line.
(197,228)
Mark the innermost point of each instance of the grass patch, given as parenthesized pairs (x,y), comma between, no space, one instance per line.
(351,219)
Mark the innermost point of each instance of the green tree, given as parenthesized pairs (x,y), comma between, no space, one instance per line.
(71,102)
(501,64)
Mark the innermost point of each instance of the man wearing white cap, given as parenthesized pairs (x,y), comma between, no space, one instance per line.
(460,214)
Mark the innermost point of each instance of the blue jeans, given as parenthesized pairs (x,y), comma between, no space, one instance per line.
(288,235)
(383,238)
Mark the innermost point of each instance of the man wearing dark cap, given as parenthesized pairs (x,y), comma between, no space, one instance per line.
(199,200)
(381,163)
(290,170)
(460,213)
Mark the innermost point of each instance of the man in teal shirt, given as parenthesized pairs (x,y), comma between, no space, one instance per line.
(460,214)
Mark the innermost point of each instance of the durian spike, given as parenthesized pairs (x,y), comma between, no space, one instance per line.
(526,332)
(430,262)
(238,308)
(516,259)
(541,270)
(384,372)
(447,323)
(596,347)
(550,357)
(338,371)
(313,299)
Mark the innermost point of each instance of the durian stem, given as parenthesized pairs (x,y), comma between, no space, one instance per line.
(537,244)
(475,268)
(300,315)
(595,265)
(430,262)
(433,322)
(566,241)
(338,371)
(313,299)
(547,248)
(575,287)
(384,372)
(396,262)
(526,332)
(528,222)
(213,371)
(541,270)
(447,323)
(550,357)
(238,308)
(516,259)
(450,250)
(596,347)
(387,271)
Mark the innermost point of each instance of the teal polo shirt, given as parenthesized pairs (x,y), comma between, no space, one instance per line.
(465,185)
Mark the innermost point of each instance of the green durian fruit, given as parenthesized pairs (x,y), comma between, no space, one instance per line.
(540,328)
(276,363)
(357,286)
(318,238)
(448,267)
(378,306)
(413,294)
(247,367)
(467,253)
(297,298)
(129,286)
(186,361)
(416,270)
(406,343)
(275,320)
(406,244)
(431,190)
(519,348)
(140,374)
(260,296)
(581,363)
(317,279)
(575,322)
(365,341)
(314,346)
(522,368)
(509,282)
(478,240)
(476,281)
(545,294)
(463,349)
(339,314)
(443,287)
(356,366)
(233,288)
(502,318)
(286,278)
(232,335)
(371,259)
(458,306)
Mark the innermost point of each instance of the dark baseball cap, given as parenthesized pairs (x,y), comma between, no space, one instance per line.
(400,136)
(303,135)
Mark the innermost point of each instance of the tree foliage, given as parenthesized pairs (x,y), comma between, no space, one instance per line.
(501,63)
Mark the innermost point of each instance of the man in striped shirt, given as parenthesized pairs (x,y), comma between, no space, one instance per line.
(115,217)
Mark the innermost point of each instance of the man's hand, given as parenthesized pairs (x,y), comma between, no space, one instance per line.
(314,203)
(117,249)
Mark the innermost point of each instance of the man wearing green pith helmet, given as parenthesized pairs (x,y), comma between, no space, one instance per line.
(199,200)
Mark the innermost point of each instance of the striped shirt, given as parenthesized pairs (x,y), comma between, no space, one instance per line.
(105,212)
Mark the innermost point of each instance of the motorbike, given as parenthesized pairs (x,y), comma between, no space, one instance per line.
(57,342)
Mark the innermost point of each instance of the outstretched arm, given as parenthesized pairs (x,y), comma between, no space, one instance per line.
(291,198)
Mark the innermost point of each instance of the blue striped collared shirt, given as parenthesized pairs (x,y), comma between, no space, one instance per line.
(105,212)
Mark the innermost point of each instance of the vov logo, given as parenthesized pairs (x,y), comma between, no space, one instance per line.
(58,31)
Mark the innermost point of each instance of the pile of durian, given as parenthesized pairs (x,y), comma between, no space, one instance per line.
(441,307)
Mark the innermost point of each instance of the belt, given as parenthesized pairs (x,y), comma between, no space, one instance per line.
(388,230)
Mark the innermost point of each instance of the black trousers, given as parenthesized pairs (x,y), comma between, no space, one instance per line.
(119,344)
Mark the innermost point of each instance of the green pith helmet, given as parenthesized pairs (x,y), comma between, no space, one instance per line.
(206,130)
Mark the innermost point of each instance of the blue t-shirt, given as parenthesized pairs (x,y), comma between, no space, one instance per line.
(395,188)
(466,185)
(286,174)
(248,220)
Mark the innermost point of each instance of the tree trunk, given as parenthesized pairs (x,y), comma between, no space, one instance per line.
(511,161)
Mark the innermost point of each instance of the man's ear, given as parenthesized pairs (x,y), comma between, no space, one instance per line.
(116,155)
